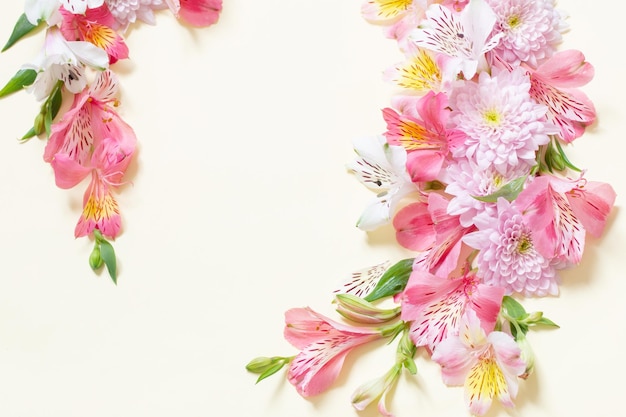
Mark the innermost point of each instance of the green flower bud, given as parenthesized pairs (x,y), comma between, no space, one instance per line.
(95,260)
(357,309)
(39,126)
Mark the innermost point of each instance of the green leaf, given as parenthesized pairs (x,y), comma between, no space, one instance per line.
(565,160)
(55,100)
(21,79)
(271,371)
(393,280)
(22,28)
(510,191)
(514,309)
(546,322)
(31,133)
(108,256)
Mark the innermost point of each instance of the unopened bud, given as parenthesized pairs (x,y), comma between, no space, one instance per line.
(95,260)
(39,126)
(358,310)
(527,355)
(260,364)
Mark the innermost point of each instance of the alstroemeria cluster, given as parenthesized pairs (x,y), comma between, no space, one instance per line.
(472,175)
(83,40)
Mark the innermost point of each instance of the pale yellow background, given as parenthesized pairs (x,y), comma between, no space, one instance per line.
(241,208)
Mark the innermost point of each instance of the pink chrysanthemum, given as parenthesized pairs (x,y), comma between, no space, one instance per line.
(128,11)
(531,30)
(503,125)
(466,181)
(508,257)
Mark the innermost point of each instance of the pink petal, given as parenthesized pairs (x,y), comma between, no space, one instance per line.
(592,205)
(566,69)
(200,13)
(414,227)
(424,165)
(68,172)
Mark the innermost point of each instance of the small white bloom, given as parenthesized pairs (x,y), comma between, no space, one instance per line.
(381,168)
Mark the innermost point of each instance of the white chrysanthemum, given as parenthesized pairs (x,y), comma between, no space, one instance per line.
(503,124)
(507,256)
(531,30)
(466,181)
(128,11)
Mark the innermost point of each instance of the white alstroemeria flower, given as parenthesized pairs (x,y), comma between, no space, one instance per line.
(381,168)
(80,6)
(64,60)
(38,10)
(464,36)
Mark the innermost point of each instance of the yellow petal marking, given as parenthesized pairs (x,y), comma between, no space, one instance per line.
(420,73)
(485,381)
(391,8)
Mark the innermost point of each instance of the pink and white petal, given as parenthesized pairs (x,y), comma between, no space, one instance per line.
(105,87)
(315,369)
(486,302)
(363,281)
(455,360)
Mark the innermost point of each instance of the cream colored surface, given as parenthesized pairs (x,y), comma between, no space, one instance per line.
(240,208)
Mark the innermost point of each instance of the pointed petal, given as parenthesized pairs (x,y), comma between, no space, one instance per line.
(68,172)
(200,13)
(100,211)
(566,69)
(592,205)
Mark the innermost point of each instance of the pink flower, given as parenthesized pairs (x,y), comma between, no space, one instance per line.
(592,201)
(434,305)
(554,84)
(488,364)
(324,345)
(508,256)
(430,229)
(198,13)
(92,138)
(421,130)
(503,124)
(95,26)
(531,30)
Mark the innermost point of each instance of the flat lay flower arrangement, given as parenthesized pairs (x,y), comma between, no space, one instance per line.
(472,175)
(82,41)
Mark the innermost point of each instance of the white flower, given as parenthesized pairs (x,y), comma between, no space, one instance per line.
(64,60)
(80,6)
(531,30)
(503,124)
(381,168)
(464,37)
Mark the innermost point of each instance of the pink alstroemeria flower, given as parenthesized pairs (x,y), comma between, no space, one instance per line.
(558,209)
(420,129)
(198,13)
(95,26)
(428,228)
(92,138)
(434,305)
(488,364)
(554,83)
(324,345)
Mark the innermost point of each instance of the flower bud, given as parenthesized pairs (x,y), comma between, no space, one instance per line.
(527,355)
(260,364)
(358,310)
(95,260)
(39,126)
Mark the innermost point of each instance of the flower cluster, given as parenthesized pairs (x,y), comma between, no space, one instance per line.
(83,39)
(472,175)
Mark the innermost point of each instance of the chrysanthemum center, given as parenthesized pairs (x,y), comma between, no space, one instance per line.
(524,244)
(492,117)
(514,21)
